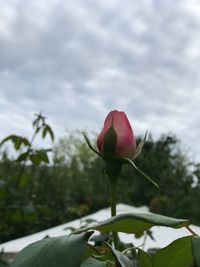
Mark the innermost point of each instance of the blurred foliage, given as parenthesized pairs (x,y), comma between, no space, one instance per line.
(19,214)
(35,195)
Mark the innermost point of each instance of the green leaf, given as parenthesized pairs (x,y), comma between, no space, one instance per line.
(25,141)
(53,252)
(196,250)
(15,216)
(176,254)
(29,214)
(121,259)
(91,262)
(44,132)
(43,155)
(19,141)
(24,179)
(144,259)
(42,209)
(8,138)
(39,155)
(16,140)
(136,223)
(35,158)
(22,156)
(47,129)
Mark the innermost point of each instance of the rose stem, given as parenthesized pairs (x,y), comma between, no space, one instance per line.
(113,183)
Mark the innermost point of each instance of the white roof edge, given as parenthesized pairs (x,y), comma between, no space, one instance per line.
(167,234)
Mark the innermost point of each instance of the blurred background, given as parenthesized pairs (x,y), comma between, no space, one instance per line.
(75,62)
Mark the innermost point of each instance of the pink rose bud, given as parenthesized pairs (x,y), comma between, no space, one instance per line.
(116,139)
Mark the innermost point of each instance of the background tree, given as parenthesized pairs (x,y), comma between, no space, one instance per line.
(18,211)
(73,184)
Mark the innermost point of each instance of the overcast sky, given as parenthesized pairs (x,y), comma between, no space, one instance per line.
(77,60)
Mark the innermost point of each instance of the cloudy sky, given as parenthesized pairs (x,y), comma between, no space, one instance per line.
(77,60)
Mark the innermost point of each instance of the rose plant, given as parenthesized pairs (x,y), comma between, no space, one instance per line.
(116,145)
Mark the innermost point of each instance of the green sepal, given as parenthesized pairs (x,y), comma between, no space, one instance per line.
(89,144)
(141,172)
(140,146)
(109,144)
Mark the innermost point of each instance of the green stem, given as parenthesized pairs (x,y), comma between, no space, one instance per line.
(113,183)
(113,169)
(26,159)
